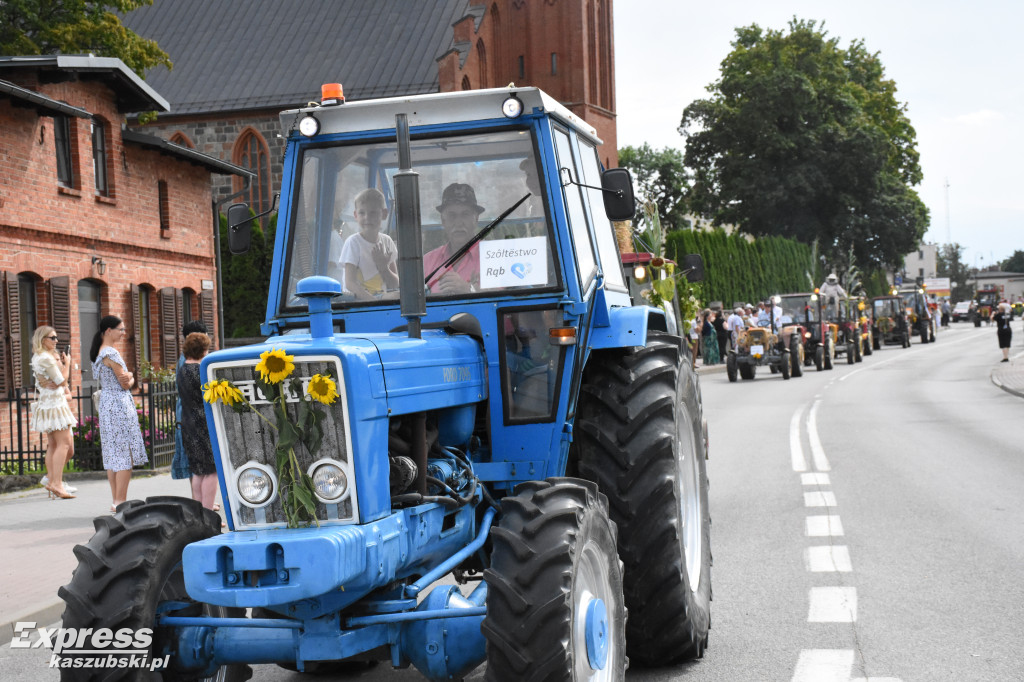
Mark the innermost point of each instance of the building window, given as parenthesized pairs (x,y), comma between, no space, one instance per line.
(144,339)
(920,272)
(465,83)
(165,209)
(251,152)
(188,303)
(180,138)
(99,157)
(554,63)
(920,254)
(28,321)
(481,53)
(62,141)
(522,67)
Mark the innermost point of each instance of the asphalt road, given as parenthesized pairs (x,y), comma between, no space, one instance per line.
(867,525)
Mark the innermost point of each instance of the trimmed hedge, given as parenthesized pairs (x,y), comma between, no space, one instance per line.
(736,269)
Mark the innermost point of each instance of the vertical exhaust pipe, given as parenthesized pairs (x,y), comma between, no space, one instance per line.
(411,287)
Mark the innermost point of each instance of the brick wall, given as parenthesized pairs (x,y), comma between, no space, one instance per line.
(52,231)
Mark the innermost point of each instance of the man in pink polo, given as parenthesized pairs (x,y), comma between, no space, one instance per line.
(460,215)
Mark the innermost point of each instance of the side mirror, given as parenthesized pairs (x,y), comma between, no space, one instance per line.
(693,267)
(619,202)
(239,228)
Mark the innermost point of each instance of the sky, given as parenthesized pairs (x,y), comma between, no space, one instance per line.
(959,68)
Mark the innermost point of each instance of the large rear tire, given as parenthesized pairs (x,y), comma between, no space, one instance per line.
(641,436)
(554,604)
(128,568)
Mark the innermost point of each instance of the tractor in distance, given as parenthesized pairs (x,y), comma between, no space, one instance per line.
(919,317)
(855,312)
(769,346)
(986,301)
(806,311)
(507,420)
(889,321)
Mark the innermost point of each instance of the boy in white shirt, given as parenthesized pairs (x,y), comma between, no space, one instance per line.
(370,257)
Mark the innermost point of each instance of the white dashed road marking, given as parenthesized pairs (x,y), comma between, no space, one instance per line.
(824,665)
(820,498)
(828,559)
(836,604)
(823,526)
(833,605)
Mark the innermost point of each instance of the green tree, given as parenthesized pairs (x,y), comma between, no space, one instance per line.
(949,263)
(1014,263)
(660,176)
(44,27)
(801,138)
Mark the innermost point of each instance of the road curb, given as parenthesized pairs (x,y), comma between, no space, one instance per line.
(41,616)
(994,376)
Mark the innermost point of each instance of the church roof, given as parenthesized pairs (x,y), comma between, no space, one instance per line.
(235,55)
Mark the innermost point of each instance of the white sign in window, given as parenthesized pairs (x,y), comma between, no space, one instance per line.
(514,262)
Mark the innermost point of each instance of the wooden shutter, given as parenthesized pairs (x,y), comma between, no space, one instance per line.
(168,329)
(135,305)
(206,314)
(60,308)
(6,386)
(13,305)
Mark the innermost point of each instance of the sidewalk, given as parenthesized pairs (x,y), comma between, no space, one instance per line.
(1009,376)
(38,535)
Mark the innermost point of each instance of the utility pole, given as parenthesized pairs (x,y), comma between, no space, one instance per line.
(949,238)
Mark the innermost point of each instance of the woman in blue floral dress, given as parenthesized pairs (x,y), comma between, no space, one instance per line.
(120,436)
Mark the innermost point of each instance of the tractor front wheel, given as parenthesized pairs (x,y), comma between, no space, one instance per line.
(796,356)
(851,353)
(784,365)
(819,358)
(554,604)
(130,568)
(640,435)
(730,367)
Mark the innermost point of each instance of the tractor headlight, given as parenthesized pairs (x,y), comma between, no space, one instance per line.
(329,480)
(256,484)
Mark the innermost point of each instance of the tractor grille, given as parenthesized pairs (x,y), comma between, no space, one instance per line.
(245,437)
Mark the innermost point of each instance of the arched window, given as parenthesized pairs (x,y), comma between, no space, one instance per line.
(251,152)
(481,55)
(182,139)
(465,83)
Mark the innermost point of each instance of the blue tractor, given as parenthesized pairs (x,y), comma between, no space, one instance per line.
(506,421)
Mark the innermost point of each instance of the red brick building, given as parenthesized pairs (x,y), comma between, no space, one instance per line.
(96,219)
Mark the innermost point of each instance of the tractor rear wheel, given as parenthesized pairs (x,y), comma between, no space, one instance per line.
(640,435)
(554,604)
(132,565)
(730,367)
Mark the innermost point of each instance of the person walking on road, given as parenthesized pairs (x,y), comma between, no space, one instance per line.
(50,413)
(1003,331)
(120,435)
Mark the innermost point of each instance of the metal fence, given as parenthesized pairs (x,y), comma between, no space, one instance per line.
(23,451)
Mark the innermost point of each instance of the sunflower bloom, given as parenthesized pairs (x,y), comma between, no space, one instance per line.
(323,389)
(221,390)
(275,365)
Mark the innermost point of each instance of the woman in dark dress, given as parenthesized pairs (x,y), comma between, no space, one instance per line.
(194,435)
(1003,331)
(721,332)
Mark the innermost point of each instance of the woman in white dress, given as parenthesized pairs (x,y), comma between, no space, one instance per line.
(50,413)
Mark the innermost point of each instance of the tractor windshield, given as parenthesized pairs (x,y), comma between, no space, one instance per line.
(343,218)
(886,307)
(799,308)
